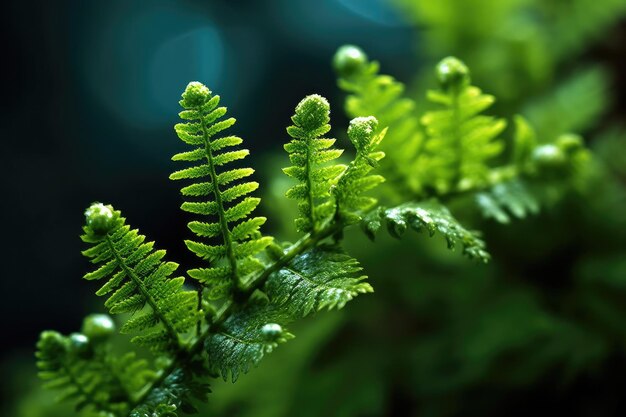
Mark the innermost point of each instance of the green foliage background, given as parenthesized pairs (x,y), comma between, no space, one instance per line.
(543,322)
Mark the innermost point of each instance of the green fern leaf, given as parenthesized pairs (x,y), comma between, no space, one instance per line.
(430,216)
(310,155)
(138,279)
(226,205)
(323,277)
(245,338)
(356,179)
(507,197)
(460,142)
(524,143)
(132,372)
(381,96)
(85,373)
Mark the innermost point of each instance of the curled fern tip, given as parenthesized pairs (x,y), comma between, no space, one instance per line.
(98,326)
(361,130)
(195,95)
(99,218)
(79,345)
(349,60)
(312,112)
(452,73)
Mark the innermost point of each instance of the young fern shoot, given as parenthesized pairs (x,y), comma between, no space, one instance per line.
(310,155)
(460,141)
(356,180)
(137,277)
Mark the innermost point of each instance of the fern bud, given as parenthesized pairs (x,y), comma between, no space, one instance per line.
(549,159)
(361,130)
(53,343)
(452,73)
(349,60)
(195,95)
(98,327)
(79,345)
(271,332)
(99,218)
(312,113)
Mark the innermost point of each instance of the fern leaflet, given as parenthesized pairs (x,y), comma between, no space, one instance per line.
(430,216)
(323,277)
(245,337)
(85,372)
(460,142)
(310,154)
(507,197)
(136,276)
(227,205)
(356,179)
(381,96)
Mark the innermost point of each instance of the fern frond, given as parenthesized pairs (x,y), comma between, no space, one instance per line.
(226,204)
(132,372)
(506,199)
(87,374)
(245,338)
(430,216)
(381,96)
(460,141)
(136,276)
(323,277)
(311,155)
(356,179)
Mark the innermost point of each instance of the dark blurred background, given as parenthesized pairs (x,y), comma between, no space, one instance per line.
(91,94)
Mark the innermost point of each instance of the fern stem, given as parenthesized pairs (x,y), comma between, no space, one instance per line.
(228,242)
(457,141)
(184,356)
(144,292)
(307,171)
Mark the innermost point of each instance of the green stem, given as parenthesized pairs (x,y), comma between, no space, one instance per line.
(144,292)
(184,356)
(307,172)
(228,242)
(458,145)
